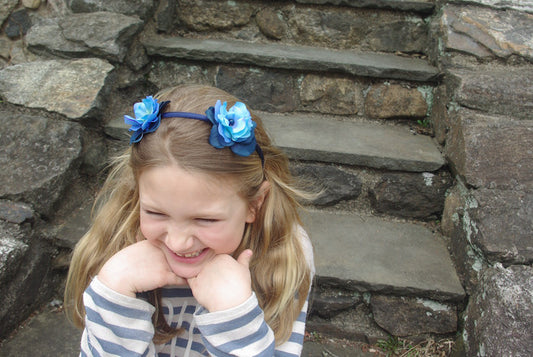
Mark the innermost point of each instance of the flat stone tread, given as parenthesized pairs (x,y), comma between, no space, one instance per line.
(381,255)
(311,137)
(369,64)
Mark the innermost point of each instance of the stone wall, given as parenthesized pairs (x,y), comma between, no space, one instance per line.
(72,66)
(483,116)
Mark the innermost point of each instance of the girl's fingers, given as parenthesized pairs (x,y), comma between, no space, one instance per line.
(245,257)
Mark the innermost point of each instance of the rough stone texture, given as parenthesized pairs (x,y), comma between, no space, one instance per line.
(81,85)
(141,8)
(15,212)
(101,34)
(486,33)
(344,28)
(394,101)
(105,33)
(262,90)
(166,15)
(31,4)
(18,24)
(281,56)
(504,221)
(459,226)
(523,5)
(401,316)
(46,37)
(168,74)
(497,90)
(212,14)
(439,113)
(6,7)
(499,317)
(491,151)
(355,324)
(336,185)
(270,23)
(330,95)
(411,195)
(39,157)
(327,303)
(12,250)
(28,285)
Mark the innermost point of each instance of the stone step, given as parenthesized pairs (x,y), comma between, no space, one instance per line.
(423,6)
(292,57)
(370,144)
(315,138)
(370,254)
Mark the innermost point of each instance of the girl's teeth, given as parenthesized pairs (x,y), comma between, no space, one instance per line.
(190,255)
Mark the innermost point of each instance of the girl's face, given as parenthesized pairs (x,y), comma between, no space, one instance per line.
(192,216)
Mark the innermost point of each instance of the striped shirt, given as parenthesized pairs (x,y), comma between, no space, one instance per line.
(119,325)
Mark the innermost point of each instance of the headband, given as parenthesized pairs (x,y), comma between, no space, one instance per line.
(233,128)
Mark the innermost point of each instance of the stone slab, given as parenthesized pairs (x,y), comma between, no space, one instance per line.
(494,89)
(504,225)
(491,151)
(303,58)
(499,316)
(39,156)
(308,137)
(487,33)
(74,89)
(372,254)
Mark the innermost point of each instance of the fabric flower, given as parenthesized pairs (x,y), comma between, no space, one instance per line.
(147,118)
(233,128)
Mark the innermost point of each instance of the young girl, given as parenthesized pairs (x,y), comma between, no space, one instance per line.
(196,247)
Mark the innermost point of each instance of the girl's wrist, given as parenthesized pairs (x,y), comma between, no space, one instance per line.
(115,282)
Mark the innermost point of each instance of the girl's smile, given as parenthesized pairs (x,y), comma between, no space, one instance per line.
(191,215)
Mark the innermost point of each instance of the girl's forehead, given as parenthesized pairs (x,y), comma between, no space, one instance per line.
(174,174)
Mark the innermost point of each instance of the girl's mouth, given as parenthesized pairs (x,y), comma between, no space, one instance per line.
(191,257)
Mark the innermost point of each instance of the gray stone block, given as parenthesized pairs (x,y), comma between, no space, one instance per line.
(499,316)
(39,157)
(75,89)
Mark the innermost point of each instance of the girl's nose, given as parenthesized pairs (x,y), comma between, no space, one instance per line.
(179,239)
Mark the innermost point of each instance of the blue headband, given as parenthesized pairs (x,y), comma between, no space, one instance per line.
(233,128)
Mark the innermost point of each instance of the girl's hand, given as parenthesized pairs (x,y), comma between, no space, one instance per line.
(139,267)
(224,282)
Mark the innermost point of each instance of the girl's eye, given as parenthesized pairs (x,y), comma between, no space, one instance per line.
(153,213)
(206,220)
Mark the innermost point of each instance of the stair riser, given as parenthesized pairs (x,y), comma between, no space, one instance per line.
(416,195)
(372,317)
(327,26)
(275,90)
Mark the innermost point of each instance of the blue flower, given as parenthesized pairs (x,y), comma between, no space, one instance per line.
(233,128)
(147,118)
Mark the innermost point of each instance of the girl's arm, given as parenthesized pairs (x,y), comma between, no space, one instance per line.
(242,331)
(116,324)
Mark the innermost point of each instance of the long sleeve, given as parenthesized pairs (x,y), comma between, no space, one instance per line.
(116,325)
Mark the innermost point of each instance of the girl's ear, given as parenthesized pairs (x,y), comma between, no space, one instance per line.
(257,202)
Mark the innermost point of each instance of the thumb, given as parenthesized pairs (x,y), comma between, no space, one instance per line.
(245,257)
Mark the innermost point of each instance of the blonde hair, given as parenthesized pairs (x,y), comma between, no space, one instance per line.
(280,272)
